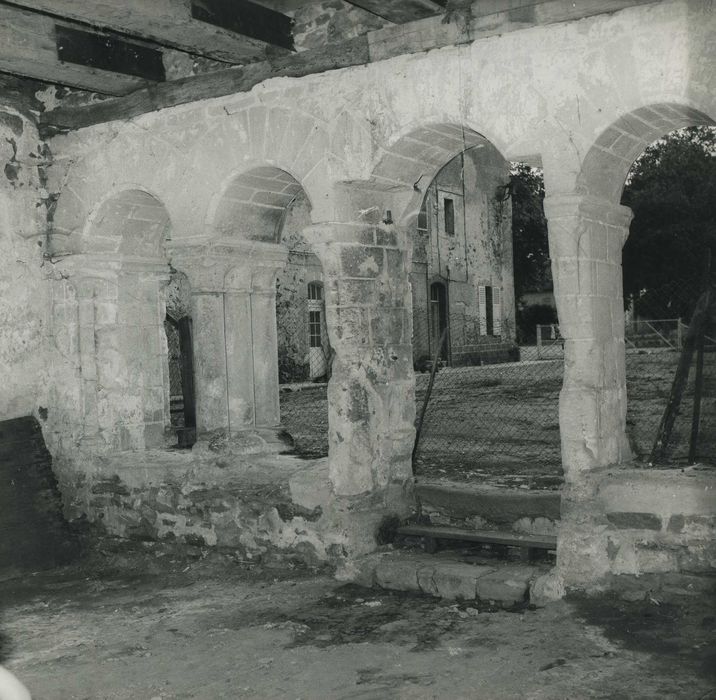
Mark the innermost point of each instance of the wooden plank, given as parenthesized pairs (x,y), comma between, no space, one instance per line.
(223,82)
(28,48)
(166,22)
(246,18)
(401,11)
(108,52)
(509,539)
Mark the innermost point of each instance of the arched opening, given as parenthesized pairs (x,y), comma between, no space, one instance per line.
(662,277)
(269,206)
(668,280)
(485,416)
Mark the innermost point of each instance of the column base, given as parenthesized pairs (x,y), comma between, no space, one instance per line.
(246,441)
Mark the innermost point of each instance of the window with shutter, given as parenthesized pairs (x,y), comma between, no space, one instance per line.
(482,308)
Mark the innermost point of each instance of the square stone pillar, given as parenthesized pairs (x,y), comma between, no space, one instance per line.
(121,353)
(371,393)
(235,340)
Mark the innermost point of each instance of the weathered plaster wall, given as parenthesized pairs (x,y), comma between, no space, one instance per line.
(479,253)
(24,293)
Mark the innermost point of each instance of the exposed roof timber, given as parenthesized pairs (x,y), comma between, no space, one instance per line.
(166,22)
(401,11)
(246,18)
(28,48)
(217,84)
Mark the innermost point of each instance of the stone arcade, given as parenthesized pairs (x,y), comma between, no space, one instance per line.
(93,221)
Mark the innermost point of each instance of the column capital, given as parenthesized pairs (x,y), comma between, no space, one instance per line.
(89,269)
(572,205)
(221,265)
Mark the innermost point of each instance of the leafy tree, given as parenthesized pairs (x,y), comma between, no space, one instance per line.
(672,190)
(529,230)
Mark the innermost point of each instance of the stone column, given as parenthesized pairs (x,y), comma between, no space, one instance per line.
(371,393)
(251,336)
(120,349)
(264,335)
(586,236)
(205,273)
(87,288)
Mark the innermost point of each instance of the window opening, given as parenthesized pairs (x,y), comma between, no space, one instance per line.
(449,211)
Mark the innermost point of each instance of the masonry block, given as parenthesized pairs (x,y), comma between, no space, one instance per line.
(634,521)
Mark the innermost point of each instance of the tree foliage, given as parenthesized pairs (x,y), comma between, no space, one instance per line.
(671,189)
(529,231)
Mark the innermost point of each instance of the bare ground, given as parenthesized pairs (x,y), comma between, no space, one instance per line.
(162,626)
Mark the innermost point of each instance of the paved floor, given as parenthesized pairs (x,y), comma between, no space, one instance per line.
(159,626)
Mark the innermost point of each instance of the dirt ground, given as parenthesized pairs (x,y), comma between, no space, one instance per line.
(499,424)
(156,625)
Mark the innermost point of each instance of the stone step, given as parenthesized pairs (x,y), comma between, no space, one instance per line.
(433,534)
(480,507)
(453,577)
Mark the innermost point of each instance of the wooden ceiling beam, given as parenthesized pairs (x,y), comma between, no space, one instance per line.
(233,31)
(402,11)
(28,47)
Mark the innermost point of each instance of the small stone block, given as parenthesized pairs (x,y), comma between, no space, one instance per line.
(398,575)
(634,521)
(508,585)
(458,581)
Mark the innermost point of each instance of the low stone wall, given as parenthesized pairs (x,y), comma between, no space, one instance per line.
(659,521)
(262,507)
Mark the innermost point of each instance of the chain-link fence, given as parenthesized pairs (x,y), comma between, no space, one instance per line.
(492,413)
(654,350)
(304,363)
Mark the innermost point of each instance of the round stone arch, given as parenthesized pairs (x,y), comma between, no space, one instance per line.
(128,221)
(133,160)
(252,204)
(607,163)
(406,167)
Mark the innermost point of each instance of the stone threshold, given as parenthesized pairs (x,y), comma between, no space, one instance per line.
(450,576)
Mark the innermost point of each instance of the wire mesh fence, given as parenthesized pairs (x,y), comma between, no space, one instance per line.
(493,413)
(493,406)
(654,350)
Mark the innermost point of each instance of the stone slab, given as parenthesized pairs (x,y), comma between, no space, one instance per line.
(497,505)
(507,586)
(449,578)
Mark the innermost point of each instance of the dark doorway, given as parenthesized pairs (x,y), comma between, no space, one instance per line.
(182,407)
(439,318)
(489,311)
